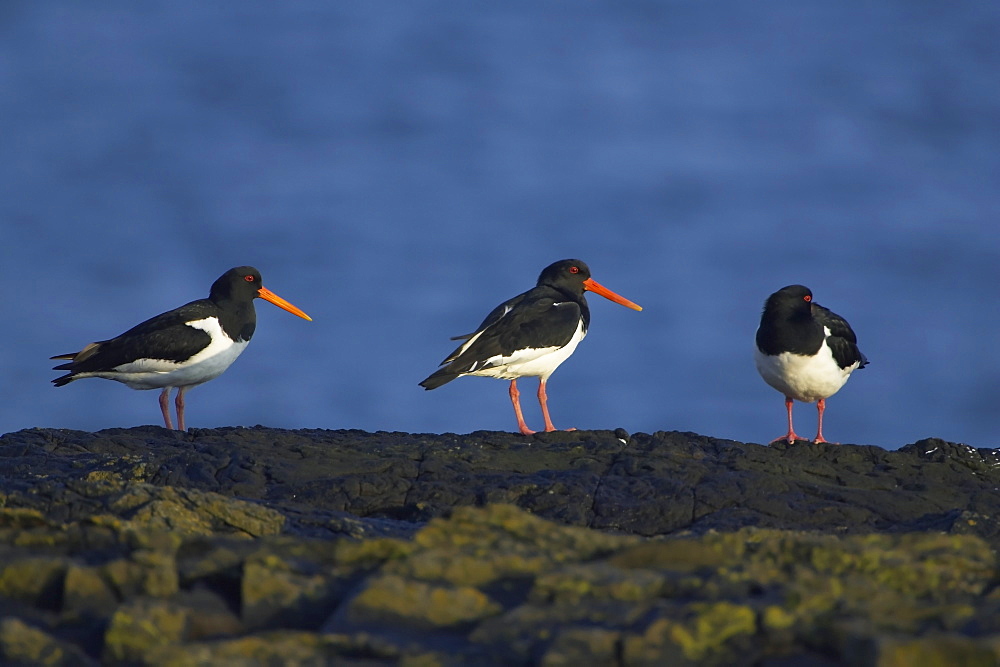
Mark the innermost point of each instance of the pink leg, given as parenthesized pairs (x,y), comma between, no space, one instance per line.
(820,408)
(515,398)
(790,437)
(543,400)
(165,407)
(179,402)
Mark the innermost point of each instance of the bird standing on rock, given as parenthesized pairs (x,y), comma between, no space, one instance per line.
(183,347)
(530,334)
(804,351)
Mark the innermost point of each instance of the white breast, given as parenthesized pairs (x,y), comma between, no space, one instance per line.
(206,365)
(802,377)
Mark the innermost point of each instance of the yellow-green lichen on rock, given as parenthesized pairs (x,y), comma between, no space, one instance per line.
(710,626)
(583,646)
(580,582)
(387,597)
(21,517)
(193,512)
(87,592)
(35,580)
(23,644)
(286,648)
(140,626)
(371,552)
(941,650)
(705,633)
(273,588)
(478,545)
(683,554)
(876,576)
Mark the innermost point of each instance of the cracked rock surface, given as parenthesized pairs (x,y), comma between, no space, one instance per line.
(258,545)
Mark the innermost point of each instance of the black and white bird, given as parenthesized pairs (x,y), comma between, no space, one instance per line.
(529,335)
(181,348)
(804,351)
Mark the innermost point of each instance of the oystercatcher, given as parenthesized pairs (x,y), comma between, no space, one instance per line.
(183,347)
(804,351)
(530,334)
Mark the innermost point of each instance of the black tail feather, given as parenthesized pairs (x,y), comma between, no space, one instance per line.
(443,376)
(64,379)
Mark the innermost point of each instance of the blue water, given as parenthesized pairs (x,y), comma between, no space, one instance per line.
(397,169)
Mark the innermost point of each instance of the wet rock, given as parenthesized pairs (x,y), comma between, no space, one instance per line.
(250,546)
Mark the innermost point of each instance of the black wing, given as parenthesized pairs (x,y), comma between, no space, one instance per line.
(165,337)
(535,319)
(843,342)
(544,323)
(495,315)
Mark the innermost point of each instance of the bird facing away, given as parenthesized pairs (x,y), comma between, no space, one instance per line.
(804,351)
(530,334)
(180,348)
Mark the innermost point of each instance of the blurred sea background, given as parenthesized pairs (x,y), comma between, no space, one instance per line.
(397,169)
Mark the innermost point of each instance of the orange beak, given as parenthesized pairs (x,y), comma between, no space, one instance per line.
(270,296)
(592,285)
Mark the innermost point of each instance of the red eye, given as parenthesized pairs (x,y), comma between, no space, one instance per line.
(574,269)
(807,298)
(249,279)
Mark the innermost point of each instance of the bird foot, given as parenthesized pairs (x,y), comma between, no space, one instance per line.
(790,438)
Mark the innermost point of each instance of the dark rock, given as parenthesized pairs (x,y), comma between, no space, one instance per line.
(37,581)
(286,647)
(253,546)
(335,482)
(24,644)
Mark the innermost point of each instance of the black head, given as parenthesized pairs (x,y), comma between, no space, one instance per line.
(571,276)
(566,275)
(242,283)
(790,300)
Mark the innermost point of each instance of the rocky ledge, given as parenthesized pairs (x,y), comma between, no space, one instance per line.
(254,546)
